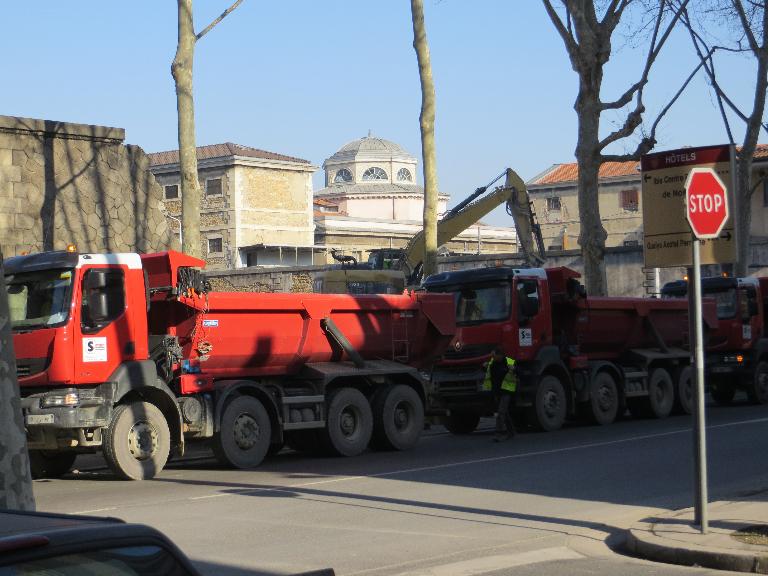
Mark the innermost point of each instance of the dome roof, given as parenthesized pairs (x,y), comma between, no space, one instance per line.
(370,148)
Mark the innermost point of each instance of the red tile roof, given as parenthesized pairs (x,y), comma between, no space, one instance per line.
(761,151)
(561,173)
(228,149)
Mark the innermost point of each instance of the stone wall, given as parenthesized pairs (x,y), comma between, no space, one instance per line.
(625,271)
(64,183)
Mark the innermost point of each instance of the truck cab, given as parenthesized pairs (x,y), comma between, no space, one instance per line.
(737,348)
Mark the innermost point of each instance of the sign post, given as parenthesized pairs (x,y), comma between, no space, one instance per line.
(706,208)
(686,209)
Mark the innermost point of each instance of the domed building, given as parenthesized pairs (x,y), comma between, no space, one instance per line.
(375,176)
(371,200)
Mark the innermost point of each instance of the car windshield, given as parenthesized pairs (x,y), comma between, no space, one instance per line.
(39,299)
(727,304)
(482,304)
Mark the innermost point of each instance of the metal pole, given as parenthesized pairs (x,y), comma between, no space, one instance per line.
(701,444)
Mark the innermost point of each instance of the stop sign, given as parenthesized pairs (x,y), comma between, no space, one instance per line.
(706,202)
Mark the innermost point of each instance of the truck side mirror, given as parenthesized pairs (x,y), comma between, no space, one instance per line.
(98,309)
(96,279)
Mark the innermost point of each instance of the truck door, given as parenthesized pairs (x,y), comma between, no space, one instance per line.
(750,315)
(106,335)
(531,322)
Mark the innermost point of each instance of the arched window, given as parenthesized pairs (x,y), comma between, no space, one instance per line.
(404,175)
(374,173)
(343,175)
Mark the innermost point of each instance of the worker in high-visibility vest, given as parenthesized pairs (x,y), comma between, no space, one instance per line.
(500,378)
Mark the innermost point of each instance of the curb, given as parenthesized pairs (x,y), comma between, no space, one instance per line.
(642,542)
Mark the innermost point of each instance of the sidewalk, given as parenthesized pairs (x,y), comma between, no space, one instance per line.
(673,538)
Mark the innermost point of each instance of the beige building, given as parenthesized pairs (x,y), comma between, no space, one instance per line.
(555,200)
(371,200)
(256,205)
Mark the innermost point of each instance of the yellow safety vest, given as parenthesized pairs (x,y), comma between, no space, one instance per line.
(510,380)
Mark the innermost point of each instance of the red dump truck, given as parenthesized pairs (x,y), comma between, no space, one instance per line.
(737,345)
(574,353)
(131,355)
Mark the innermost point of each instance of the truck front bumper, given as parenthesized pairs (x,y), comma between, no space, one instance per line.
(66,417)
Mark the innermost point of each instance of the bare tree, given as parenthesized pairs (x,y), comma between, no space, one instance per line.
(587,40)
(750,21)
(15,479)
(427,125)
(181,70)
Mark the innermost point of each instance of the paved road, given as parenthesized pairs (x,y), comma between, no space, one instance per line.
(541,503)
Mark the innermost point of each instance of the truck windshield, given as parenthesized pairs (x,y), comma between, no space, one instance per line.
(482,304)
(727,302)
(39,299)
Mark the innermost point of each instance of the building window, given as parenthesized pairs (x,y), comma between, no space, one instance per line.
(215,245)
(404,175)
(374,173)
(629,200)
(553,204)
(343,175)
(213,187)
(172,192)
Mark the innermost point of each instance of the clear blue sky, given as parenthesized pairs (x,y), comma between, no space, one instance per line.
(304,77)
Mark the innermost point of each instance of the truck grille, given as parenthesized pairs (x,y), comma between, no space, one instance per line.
(30,366)
(474,351)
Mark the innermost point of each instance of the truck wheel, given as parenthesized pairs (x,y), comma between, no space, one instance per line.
(461,423)
(137,441)
(722,392)
(350,422)
(244,434)
(684,390)
(550,405)
(398,418)
(604,399)
(757,391)
(661,393)
(45,464)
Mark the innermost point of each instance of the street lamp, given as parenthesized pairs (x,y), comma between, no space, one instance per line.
(164,212)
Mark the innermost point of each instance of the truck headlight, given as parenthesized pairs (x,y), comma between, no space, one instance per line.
(60,399)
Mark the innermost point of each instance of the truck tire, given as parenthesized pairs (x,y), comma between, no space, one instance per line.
(603,399)
(684,390)
(461,423)
(398,418)
(661,393)
(550,405)
(757,390)
(244,435)
(349,426)
(722,392)
(137,441)
(46,464)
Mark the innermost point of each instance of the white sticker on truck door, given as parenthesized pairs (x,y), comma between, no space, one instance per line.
(526,337)
(95,349)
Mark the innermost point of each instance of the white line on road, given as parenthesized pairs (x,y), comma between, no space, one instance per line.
(478,460)
(95,511)
(499,562)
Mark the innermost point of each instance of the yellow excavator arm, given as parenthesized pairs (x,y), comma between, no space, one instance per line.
(455,221)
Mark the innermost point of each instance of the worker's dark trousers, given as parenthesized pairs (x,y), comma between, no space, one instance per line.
(505,425)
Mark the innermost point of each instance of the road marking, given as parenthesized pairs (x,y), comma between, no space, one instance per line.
(95,511)
(289,487)
(495,563)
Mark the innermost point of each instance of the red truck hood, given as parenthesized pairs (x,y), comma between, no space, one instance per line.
(37,363)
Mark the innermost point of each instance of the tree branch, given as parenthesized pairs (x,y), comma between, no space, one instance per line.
(219,19)
(570,43)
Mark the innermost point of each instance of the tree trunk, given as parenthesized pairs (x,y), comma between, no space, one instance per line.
(427,124)
(15,478)
(181,69)
(744,185)
(592,235)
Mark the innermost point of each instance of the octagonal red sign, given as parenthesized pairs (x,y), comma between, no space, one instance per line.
(706,202)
